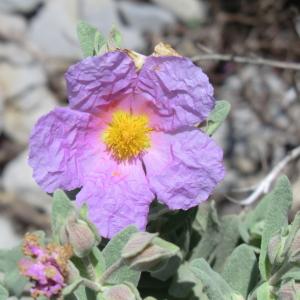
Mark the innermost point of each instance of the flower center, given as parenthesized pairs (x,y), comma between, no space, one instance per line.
(127,135)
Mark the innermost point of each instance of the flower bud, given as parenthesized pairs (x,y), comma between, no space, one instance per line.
(150,253)
(289,291)
(119,292)
(79,235)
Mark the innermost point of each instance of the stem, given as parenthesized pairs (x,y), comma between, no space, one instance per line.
(92,285)
(275,278)
(89,267)
(113,268)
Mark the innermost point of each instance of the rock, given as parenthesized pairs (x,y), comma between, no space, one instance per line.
(8,237)
(146,17)
(21,113)
(103,14)
(186,10)
(12,27)
(17,179)
(14,54)
(15,80)
(60,18)
(22,6)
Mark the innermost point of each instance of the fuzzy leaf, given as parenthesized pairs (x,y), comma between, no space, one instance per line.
(98,262)
(3,293)
(240,270)
(116,37)
(90,39)
(264,292)
(228,240)
(215,286)
(253,218)
(112,253)
(62,207)
(276,218)
(184,283)
(293,274)
(217,116)
(13,280)
(210,237)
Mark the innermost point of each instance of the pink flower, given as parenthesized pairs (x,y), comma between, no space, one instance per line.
(46,267)
(128,137)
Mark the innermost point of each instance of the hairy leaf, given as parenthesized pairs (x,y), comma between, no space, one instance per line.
(13,280)
(112,254)
(217,116)
(3,293)
(228,240)
(90,39)
(241,270)
(62,207)
(210,237)
(276,218)
(215,286)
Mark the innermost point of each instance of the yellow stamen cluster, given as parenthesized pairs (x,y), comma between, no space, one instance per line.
(127,135)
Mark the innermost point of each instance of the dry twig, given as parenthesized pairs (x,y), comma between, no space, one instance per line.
(248,60)
(264,186)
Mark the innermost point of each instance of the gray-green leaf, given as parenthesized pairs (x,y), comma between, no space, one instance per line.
(62,207)
(276,218)
(210,238)
(116,37)
(3,293)
(215,286)
(217,116)
(241,270)
(90,39)
(13,280)
(112,253)
(228,240)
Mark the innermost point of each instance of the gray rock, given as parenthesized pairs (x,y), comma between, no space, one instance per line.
(103,14)
(186,10)
(17,179)
(15,80)
(21,113)
(12,27)
(146,17)
(60,17)
(8,237)
(14,54)
(23,6)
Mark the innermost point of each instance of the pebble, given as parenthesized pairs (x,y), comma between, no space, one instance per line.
(186,10)
(17,179)
(21,113)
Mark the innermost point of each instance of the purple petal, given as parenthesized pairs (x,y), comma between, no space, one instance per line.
(96,81)
(184,168)
(118,195)
(178,91)
(63,146)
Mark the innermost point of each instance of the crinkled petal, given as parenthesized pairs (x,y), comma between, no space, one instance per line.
(99,80)
(184,168)
(178,91)
(64,146)
(118,195)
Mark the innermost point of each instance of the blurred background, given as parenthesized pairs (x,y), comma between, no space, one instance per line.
(38,42)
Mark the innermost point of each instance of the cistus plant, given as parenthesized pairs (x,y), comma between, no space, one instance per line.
(130,164)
